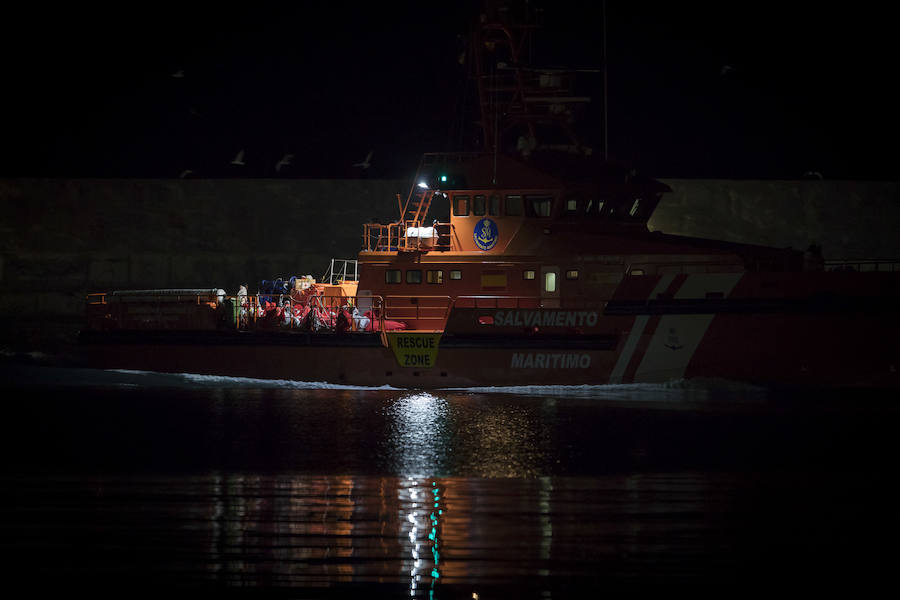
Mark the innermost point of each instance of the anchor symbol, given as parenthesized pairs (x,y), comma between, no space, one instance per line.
(674,342)
(486,238)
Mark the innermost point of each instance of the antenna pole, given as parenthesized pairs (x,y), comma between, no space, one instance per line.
(496,139)
(605,119)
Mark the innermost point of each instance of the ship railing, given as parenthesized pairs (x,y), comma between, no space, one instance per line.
(685,268)
(424,310)
(260,311)
(378,237)
(392,237)
(496,302)
(314,313)
(864,266)
(153,309)
(445,233)
(173,295)
(526,302)
(341,270)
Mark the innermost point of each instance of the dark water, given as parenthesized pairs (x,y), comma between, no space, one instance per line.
(123,483)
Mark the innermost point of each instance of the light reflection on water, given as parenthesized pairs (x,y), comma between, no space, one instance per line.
(450,432)
(439,494)
(311,531)
(551,534)
(417,440)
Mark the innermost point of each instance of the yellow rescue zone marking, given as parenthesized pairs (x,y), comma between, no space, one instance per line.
(414,349)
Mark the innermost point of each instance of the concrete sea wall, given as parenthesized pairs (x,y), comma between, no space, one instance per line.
(849,219)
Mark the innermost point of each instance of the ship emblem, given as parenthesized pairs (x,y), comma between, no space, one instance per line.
(486,234)
(674,342)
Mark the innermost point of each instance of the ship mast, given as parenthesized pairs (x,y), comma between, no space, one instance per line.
(523,108)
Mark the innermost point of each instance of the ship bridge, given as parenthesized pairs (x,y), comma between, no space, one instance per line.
(480,203)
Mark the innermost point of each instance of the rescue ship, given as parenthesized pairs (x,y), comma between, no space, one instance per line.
(526,263)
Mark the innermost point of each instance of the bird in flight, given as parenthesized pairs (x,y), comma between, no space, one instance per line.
(366,163)
(285,161)
(239,159)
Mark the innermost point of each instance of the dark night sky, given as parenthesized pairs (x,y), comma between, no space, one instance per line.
(89,92)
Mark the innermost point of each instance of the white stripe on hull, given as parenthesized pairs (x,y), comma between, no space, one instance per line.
(628,351)
(636,331)
(673,345)
(700,284)
(677,337)
(662,285)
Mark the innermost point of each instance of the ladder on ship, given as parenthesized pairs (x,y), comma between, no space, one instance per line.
(413,215)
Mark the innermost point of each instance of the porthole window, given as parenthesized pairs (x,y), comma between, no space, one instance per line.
(528,275)
(572,274)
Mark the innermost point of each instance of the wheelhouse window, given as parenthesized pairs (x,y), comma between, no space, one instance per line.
(494,205)
(392,276)
(414,276)
(513,206)
(594,207)
(528,275)
(540,205)
(550,281)
(478,205)
(434,276)
(461,206)
(633,211)
(572,274)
